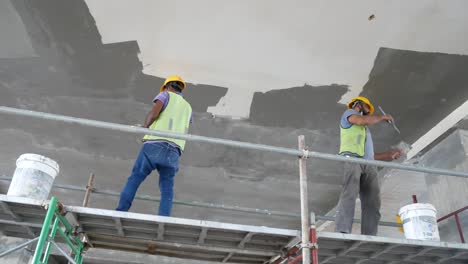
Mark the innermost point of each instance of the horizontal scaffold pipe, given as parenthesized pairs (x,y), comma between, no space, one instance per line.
(226,142)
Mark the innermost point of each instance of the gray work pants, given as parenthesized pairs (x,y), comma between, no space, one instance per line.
(362,180)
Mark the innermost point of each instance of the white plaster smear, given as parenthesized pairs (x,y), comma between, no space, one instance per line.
(262,45)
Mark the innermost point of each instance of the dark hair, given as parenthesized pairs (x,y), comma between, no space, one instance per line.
(177,86)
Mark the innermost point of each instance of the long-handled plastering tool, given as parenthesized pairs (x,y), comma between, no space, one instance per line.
(390,122)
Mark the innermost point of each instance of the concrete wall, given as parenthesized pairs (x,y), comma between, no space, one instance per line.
(449,194)
(76,71)
(283,69)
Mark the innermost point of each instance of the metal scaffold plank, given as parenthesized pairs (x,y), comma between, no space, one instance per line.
(350,248)
(230,243)
(176,237)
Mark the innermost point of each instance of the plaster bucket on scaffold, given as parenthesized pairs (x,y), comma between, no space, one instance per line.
(33,177)
(420,221)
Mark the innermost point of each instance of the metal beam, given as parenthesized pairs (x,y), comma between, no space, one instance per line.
(420,253)
(227,257)
(454,256)
(201,238)
(195,247)
(118,226)
(379,253)
(160,231)
(246,239)
(344,251)
(225,142)
(304,198)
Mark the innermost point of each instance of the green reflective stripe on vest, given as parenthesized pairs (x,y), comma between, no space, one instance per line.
(353,140)
(174,118)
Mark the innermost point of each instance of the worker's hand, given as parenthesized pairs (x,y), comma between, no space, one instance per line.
(387,118)
(394,154)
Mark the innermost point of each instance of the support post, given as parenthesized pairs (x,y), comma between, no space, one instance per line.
(313,239)
(305,228)
(89,190)
(460,229)
(45,231)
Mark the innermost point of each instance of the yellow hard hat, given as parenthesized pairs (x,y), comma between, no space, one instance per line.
(173,78)
(363,99)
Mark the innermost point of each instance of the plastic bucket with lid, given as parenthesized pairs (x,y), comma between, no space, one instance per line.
(419,221)
(33,177)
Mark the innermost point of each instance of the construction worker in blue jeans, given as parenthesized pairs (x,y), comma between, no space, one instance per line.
(356,141)
(172,113)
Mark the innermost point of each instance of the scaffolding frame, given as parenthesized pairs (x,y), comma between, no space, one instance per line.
(159,235)
(223,242)
(302,153)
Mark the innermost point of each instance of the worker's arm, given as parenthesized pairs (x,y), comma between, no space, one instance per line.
(366,120)
(153,114)
(390,155)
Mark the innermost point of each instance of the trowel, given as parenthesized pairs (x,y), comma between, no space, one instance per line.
(390,122)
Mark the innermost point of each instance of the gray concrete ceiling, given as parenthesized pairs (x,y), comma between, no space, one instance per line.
(66,58)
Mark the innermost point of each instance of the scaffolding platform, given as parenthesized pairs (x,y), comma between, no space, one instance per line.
(340,248)
(168,236)
(219,242)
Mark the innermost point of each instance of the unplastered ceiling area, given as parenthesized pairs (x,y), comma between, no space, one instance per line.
(258,71)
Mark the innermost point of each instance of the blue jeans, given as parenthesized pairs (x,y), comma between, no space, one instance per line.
(159,156)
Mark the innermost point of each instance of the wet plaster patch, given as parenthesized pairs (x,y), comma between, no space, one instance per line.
(418,88)
(200,96)
(313,107)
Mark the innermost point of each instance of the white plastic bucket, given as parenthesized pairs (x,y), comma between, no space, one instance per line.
(420,221)
(33,177)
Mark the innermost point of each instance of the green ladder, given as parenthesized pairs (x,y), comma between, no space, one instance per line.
(54,223)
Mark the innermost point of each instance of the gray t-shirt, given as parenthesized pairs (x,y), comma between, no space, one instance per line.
(369,145)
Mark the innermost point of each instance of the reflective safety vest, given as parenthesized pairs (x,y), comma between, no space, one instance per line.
(353,140)
(175,118)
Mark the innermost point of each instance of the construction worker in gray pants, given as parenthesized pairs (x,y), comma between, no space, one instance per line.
(356,141)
